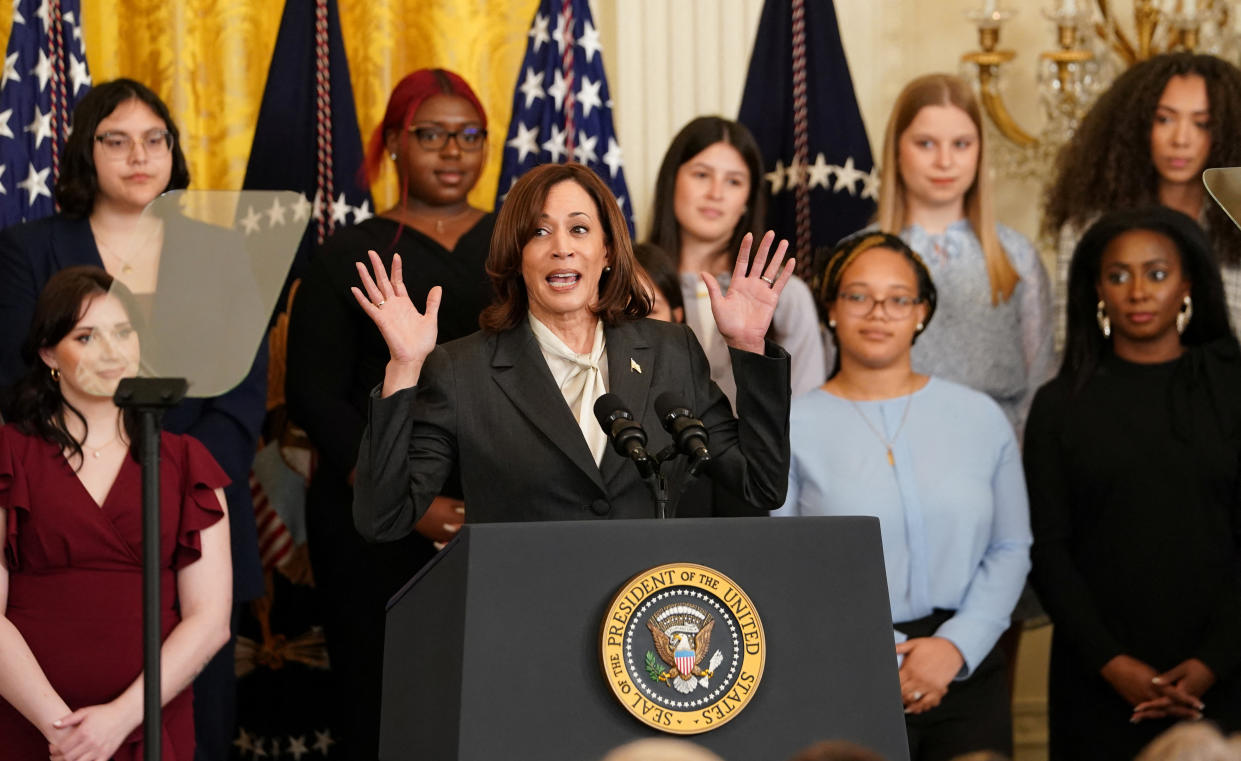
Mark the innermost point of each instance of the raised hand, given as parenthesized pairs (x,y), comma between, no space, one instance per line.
(409,334)
(744,314)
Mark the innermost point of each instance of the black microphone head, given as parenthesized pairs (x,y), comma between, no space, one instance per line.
(608,409)
(668,402)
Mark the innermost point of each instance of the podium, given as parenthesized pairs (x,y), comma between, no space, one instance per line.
(493,650)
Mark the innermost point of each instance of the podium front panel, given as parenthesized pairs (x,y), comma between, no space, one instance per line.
(525,616)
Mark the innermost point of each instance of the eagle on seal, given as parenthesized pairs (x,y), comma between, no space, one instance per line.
(683,651)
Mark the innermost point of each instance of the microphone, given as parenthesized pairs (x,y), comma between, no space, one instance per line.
(688,433)
(626,434)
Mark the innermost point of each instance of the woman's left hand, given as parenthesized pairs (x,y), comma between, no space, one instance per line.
(95,732)
(744,314)
(1180,691)
(930,665)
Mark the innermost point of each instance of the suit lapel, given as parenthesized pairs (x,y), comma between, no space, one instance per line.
(73,244)
(629,377)
(521,372)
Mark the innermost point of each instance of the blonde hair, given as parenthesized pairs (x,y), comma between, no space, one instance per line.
(944,90)
(658,749)
(1191,741)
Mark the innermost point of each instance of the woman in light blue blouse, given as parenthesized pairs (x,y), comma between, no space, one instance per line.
(994,329)
(939,465)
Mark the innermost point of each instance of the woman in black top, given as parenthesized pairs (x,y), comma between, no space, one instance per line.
(1132,458)
(434,132)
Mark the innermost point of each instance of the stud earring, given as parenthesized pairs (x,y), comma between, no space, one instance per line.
(831,324)
(1105,324)
(919,328)
(393,155)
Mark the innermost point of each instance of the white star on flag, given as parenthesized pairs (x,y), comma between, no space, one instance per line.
(538,32)
(776,178)
(847,177)
(584,151)
(17,16)
(526,141)
(588,95)
(323,741)
(589,41)
(613,157)
(297,747)
(555,145)
(340,208)
(44,14)
(36,183)
(3,192)
(43,69)
(41,126)
(793,175)
(275,215)
(559,89)
(4,123)
(301,208)
(78,74)
(532,87)
(10,70)
(250,222)
(818,173)
(562,33)
(870,185)
(363,212)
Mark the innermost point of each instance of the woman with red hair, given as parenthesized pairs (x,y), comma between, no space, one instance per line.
(435,134)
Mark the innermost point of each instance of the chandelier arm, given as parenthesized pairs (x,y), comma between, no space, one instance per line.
(993,103)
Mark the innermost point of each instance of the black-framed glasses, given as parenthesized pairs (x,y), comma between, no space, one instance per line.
(435,138)
(119,145)
(860,304)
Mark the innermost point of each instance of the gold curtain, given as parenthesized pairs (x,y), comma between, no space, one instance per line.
(208,60)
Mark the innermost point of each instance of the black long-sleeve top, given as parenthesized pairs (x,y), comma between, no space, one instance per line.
(1135,508)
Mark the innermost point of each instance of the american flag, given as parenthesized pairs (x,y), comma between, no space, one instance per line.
(561,108)
(44,76)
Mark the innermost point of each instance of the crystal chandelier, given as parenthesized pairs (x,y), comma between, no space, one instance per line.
(1092,48)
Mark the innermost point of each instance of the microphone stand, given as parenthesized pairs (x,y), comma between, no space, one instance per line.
(150,397)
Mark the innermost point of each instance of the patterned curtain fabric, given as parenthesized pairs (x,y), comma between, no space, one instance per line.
(208,60)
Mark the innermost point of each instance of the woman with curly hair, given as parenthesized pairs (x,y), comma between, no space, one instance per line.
(1146,141)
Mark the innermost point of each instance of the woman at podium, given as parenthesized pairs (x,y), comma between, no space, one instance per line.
(511,405)
(938,464)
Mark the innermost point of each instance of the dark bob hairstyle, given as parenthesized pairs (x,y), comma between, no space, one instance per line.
(1084,343)
(693,139)
(621,295)
(38,407)
(78,184)
(825,279)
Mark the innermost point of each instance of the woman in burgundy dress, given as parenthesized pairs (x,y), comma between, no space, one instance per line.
(71,524)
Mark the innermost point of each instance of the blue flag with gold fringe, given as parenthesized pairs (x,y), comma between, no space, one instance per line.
(800,104)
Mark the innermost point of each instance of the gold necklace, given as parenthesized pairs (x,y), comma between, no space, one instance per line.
(97,451)
(887,444)
(439,221)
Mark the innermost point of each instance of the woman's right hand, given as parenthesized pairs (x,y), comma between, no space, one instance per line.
(1132,679)
(409,334)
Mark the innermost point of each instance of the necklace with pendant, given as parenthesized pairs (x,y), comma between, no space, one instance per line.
(887,443)
(97,451)
(440,221)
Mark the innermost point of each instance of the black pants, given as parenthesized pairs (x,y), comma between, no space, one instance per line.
(975,714)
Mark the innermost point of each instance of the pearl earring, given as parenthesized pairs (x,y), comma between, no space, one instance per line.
(393,155)
(831,324)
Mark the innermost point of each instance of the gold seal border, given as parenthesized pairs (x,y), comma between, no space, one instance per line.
(612,657)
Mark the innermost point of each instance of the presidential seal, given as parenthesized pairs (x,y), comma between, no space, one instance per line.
(683,648)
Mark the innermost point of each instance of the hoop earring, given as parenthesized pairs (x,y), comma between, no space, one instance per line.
(1185,315)
(1105,324)
(55,373)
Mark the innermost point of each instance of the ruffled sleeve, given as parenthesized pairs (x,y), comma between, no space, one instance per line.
(199,507)
(14,496)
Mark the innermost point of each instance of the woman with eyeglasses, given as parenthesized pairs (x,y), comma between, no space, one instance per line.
(939,465)
(434,133)
(123,152)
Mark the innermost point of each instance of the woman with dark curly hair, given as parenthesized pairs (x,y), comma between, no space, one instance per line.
(1132,456)
(1146,141)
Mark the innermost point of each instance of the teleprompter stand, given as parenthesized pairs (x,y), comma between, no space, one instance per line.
(149,398)
(493,650)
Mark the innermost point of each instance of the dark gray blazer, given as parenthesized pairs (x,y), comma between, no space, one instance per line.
(487,404)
